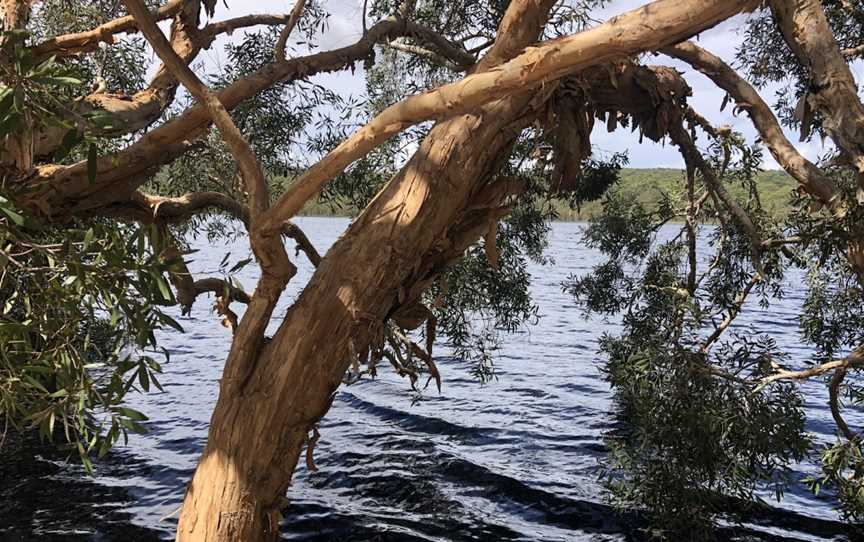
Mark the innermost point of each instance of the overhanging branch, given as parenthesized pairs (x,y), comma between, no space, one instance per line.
(805,172)
(833,91)
(653,26)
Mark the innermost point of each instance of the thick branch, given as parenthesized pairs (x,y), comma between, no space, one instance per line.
(832,91)
(80,42)
(148,208)
(653,26)
(805,172)
(67,189)
(251,171)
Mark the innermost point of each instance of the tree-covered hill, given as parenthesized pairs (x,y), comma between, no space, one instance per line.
(648,184)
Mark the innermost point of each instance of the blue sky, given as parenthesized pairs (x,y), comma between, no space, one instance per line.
(345,27)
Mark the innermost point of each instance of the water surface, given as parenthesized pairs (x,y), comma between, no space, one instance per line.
(516,459)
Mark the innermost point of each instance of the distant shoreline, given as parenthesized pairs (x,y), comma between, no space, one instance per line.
(647,185)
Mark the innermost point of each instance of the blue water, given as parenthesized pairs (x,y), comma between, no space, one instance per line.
(516,459)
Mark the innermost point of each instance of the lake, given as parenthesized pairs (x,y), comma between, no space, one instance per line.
(515,459)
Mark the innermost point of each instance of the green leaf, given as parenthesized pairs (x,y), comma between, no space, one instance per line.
(13,216)
(131,413)
(167,320)
(240,265)
(58,80)
(143,378)
(164,289)
(18,99)
(88,238)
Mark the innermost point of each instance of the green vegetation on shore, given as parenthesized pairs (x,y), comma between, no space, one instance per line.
(775,189)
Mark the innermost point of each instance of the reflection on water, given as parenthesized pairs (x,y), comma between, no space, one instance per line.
(513,460)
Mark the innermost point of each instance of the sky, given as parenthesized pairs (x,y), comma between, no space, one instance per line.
(345,27)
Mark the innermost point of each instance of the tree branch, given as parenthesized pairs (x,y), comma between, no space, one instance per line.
(832,91)
(834,403)
(732,314)
(140,110)
(80,42)
(429,55)
(805,172)
(148,208)
(852,53)
(656,25)
(276,268)
(694,159)
(250,169)
(653,26)
(293,19)
(303,243)
(62,190)
(446,48)
(220,287)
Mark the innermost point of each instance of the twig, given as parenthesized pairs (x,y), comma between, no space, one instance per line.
(732,314)
(293,19)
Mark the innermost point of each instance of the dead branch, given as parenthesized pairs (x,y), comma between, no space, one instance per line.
(805,172)
(414,348)
(311,441)
(221,288)
(444,47)
(428,54)
(303,243)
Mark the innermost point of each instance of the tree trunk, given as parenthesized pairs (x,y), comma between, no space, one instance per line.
(264,413)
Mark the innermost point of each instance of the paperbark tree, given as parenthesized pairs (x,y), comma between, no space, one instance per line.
(453,191)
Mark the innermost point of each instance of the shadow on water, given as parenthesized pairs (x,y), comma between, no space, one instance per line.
(44,497)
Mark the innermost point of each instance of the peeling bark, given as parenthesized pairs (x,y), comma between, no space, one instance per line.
(258,429)
(832,91)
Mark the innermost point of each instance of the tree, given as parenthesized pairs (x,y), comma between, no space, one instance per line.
(514,89)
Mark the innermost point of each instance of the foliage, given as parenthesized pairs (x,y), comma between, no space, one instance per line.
(79,312)
(81,301)
(699,427)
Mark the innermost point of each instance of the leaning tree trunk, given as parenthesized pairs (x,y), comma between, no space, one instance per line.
(265,411)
